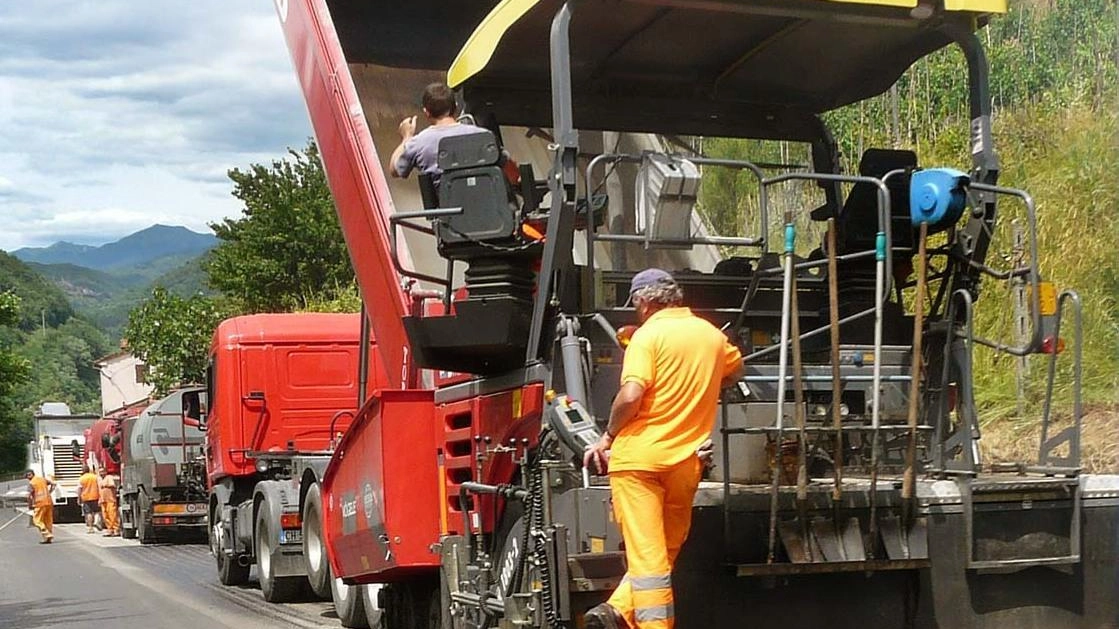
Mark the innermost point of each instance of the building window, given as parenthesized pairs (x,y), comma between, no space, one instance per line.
(142,372)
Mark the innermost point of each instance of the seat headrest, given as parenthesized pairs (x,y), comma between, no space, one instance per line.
(469,151)
(877,162)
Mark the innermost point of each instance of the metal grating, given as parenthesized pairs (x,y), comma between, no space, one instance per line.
(68,468)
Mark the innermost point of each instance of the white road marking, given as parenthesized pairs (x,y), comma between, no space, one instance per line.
(18,516)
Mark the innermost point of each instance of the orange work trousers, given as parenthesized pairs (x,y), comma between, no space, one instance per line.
(109,514)
(42,517)
(654,510)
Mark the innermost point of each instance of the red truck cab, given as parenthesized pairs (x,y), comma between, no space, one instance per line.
(282,391)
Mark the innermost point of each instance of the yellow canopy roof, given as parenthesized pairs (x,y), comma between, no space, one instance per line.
(480,47)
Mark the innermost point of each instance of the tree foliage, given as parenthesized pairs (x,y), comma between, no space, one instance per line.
(13,371)
(172,335)
(287,248)
(61,366)
(41,304)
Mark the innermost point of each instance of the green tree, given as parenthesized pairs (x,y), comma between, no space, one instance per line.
(287,248)
(172,335)
(61,366)
(13,371)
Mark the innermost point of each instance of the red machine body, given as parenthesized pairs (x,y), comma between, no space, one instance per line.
(290,373)
(392,487)
(98,454)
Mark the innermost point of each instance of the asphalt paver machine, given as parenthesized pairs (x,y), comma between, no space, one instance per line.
(848,487)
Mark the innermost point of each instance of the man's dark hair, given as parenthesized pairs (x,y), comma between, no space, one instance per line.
(29,473)
(439,100)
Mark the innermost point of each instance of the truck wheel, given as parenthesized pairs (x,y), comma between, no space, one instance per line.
(229,571)
(275,589)
(348,604)
(369,601)
(143,523)
(314,550)
(413,605)
(128,530)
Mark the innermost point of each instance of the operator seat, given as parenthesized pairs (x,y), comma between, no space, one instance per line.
(858,223)
(488,330)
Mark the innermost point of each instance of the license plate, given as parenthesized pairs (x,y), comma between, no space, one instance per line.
(291,536)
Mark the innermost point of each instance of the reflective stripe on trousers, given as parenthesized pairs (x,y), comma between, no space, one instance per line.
(654,510)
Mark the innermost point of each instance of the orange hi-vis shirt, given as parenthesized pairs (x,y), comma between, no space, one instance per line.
(681,361)
(40,492)
(90,490)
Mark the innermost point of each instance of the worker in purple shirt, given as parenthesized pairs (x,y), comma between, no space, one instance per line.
(421,150)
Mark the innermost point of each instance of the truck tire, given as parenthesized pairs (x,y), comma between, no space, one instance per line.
(275,589)
(144,529)
(413,604)
(230,572)
(314,549)
(348,604)
(369,593)
(126,531)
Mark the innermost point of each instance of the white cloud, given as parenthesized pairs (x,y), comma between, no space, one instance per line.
(118,114)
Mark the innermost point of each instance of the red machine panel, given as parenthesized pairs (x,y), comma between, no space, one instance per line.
(392,487)
(382,490)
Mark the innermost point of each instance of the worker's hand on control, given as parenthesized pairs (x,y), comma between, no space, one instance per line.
(706,454)
(407,127)
(597,457)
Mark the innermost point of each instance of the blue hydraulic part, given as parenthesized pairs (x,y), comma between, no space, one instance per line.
(937,196)
(790,237)
(880,246)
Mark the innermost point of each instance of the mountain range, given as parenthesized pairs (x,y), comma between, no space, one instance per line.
(135,250)
(103,283)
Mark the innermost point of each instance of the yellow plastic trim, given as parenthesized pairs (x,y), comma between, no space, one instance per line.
(484,40)
(978,6)
(909,4)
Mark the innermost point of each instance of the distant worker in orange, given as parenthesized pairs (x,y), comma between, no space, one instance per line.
(108,503)
(674,366)
(89,495)
(41,504)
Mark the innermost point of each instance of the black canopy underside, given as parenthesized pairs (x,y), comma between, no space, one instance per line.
(757,68)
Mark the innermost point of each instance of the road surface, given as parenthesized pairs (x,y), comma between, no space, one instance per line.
(91,582)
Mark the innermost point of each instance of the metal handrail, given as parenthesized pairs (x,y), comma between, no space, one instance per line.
(1071,434)
(401,219)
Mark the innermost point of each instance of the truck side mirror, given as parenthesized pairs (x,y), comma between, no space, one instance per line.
(106,440)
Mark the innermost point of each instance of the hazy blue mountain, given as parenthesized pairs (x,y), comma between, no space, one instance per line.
(134,252)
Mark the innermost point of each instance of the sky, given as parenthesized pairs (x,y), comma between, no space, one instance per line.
(118,114)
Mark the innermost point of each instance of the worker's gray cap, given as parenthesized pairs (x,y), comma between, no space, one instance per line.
(650,277)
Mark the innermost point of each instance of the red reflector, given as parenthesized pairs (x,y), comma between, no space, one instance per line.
(291,521)
(163,520)
(1051,345)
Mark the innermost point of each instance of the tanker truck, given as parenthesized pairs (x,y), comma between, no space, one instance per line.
(849,488)
(162,480)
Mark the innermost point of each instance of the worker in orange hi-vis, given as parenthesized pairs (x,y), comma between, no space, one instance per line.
(675,365)
(89,496)
(108,503)
(41,505)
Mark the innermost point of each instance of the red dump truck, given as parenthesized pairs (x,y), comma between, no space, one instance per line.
(458,488)
(281,390)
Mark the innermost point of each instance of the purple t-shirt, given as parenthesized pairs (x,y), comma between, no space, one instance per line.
(422,151)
